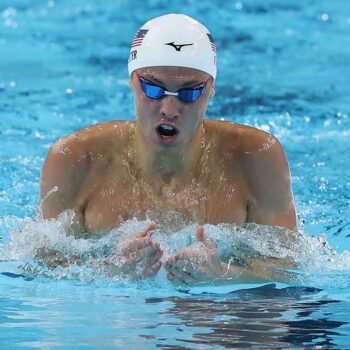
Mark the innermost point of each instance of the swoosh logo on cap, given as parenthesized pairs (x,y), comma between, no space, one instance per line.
(177,47)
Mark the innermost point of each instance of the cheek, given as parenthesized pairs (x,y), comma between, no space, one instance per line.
(202,108)
(196,112)
(144,107)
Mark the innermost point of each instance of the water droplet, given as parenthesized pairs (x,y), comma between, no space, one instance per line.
(239,6)
(325,17)
(9,12)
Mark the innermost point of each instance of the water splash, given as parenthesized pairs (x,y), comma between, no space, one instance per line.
(95,259)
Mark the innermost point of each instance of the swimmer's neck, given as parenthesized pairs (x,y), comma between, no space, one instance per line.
(165,166)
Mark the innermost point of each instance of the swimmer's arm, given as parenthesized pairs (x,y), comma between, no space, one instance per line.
(269,178)
(183,268)
(259,270)
(252,267)
(272,204)
(193,266)
(53,258)
(137,257)
(61,178)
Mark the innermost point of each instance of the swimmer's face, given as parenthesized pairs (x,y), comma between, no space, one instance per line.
(168,122)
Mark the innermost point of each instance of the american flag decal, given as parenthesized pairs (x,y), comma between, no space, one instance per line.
(212,43)
(139,37)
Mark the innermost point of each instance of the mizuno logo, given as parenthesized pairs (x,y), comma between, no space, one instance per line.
(177,47)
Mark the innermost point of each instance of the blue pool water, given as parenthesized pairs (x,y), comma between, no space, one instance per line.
(283,66)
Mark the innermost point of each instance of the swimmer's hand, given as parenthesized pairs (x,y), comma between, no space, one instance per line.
(140,256)
(196,264)
(200,264)
(53,258)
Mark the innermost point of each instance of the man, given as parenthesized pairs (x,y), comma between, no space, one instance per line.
(170,160)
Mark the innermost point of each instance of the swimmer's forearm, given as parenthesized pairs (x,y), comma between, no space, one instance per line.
(259,271)
(52,259)
(238,275)
(275,269)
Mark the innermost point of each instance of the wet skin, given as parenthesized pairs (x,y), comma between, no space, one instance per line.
(209,171)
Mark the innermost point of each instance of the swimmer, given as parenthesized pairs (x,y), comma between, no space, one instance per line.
(170,159)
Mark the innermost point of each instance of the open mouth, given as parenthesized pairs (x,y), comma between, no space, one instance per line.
(167,132)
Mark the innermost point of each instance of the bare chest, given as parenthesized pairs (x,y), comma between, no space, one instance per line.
(213,202)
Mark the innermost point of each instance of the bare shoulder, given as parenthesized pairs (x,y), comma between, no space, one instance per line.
(71,158)
(261,153)
(92,139)
(247,144)
(84,146)
(262,163)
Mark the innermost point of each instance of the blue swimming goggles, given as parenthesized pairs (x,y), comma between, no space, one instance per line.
(156,92)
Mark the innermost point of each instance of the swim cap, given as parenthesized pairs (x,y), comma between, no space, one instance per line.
(173,40)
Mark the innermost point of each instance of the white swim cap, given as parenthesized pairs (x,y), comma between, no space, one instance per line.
(173,40)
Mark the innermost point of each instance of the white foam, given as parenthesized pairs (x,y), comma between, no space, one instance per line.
(320,263)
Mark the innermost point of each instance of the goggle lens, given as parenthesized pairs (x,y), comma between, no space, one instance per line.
(191,95)
(157,92)
(151,91)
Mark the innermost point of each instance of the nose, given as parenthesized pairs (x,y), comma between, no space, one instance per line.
(170,108)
